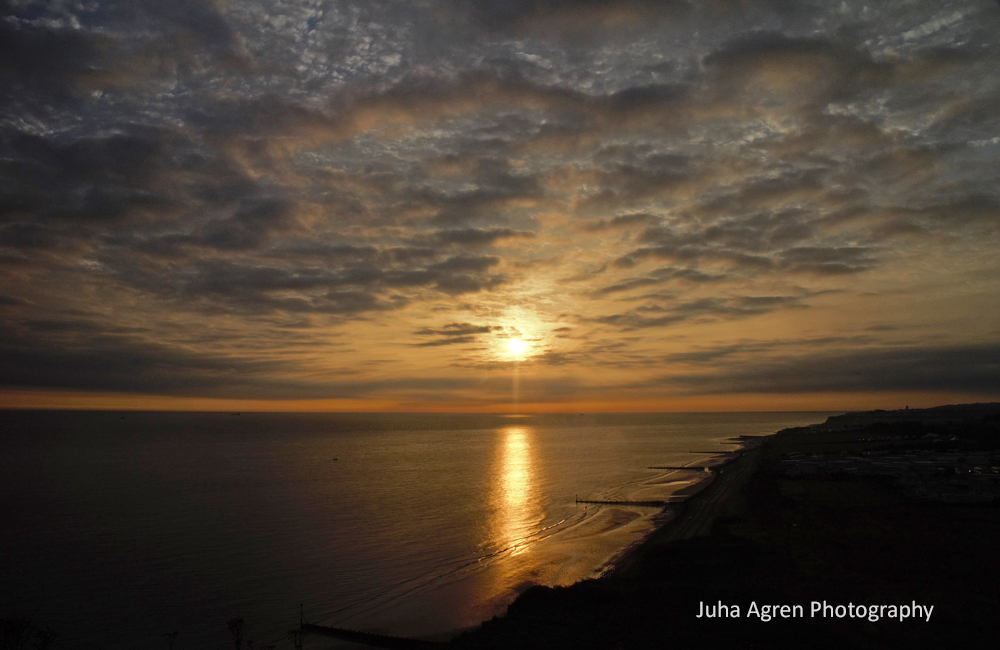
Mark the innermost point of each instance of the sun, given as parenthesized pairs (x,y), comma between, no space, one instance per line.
(516,347)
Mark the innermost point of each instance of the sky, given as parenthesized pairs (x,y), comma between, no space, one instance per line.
(499,205)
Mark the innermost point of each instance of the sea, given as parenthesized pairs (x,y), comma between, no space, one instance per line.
(119,529)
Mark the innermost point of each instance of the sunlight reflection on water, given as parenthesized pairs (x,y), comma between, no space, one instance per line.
(515,497)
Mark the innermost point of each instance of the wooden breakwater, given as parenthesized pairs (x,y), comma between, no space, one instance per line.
(648,504)
(373,640)
(698,468)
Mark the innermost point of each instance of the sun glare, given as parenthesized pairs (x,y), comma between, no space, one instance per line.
(516,347)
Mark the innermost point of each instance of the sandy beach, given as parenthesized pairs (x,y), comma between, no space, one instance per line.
(702,503)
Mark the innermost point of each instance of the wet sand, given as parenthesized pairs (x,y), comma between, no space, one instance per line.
(704,502)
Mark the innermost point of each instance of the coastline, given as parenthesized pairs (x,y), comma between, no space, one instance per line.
(694,515)
(717,495)
(770,531)
(696,501)
(689,518)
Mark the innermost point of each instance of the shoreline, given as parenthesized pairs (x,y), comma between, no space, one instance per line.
(710,498)
(619,564)
(694,515)
(849,511)
(676,513)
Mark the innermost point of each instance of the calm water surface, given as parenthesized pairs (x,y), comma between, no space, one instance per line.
(117,528)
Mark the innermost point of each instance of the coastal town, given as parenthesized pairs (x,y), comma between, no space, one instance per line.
(950,476)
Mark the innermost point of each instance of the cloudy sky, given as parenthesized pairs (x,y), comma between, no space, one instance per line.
(421,205)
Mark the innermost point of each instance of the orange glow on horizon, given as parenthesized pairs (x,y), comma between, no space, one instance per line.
(70,400)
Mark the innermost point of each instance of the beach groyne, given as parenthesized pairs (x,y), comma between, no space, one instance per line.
(624,502)
(368,639)
(694,513)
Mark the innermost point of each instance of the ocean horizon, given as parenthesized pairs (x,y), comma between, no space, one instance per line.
(122,527)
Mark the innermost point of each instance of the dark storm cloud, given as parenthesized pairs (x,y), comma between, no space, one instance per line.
(657,315)
(481,236)
(10,301)
(620,222)
(454,333)
(966,116)
(27,237)
(457,285)
(692,254)
(754,243)
(809,72)
(448,341)
(121,157)
(460,208)
(971,368)
(708,355)
(628,285)
(475,213)
(641,99)
(716,353)
(65,191)
(55,52)
(259,288)
(593,15)
(260,116)
(660,276)
(978,207)
(757,193)
(90,178)
(831,261)
(38,56)
(139,190)
(106,204)
(625,185)
(466,263)
(757,232)
(75,354)
(513,14)
(198,22)
(819,137)
(424,99)
(30,356)
(940,218)
(457,330)
(251,225)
